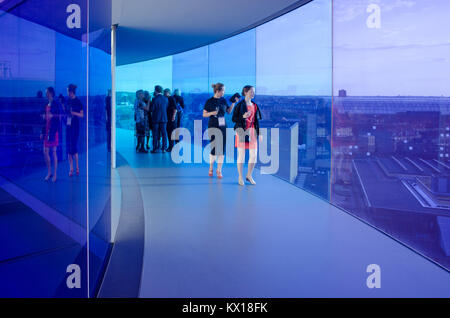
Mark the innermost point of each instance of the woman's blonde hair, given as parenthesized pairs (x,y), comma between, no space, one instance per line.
(217,87)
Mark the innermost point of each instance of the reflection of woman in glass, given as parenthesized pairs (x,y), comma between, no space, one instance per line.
(75,112)
(245,116)
(215,109)
(50,132)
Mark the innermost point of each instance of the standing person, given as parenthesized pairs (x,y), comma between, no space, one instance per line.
(245,117)
(171,117)
(75,112)
(150,122)
(147,100)
(215,109)
(159,119)
(180,109)
(50,132)
(139,110)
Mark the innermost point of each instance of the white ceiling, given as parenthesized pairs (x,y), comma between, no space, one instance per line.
(150,29)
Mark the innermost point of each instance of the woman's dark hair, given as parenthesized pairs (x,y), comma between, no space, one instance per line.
(146,96)
(167,91)
(158,89)
(51,90)
(72,88)
(246,89)
(217,87)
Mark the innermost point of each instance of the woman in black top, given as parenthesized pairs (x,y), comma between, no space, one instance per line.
(215,109)
(74,113)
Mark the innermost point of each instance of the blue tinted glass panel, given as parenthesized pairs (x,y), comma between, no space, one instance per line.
(391,119)
(137,76)
(190,76)
(232,62)
(97,144)
(293,87)
(44,211)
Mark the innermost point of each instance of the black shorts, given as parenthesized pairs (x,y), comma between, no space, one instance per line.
(219,152)
(72,140)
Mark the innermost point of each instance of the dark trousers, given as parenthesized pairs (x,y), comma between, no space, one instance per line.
(171,125)
(179,121)
(108,136)
(179,118)
(159,130)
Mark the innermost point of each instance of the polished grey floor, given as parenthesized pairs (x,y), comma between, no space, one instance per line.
(206,237)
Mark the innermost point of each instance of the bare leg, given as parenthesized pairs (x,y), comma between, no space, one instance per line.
(220,162)
(240,164)
(219,166)
(55,163)
(70,164)
(48,163)
(251,165)
(76,162)
(211,164)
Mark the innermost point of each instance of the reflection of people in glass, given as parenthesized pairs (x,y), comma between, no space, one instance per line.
(245,116)
(62,101)
(50,132)
(171,117)
(75,112)
(180,107)
(215,109)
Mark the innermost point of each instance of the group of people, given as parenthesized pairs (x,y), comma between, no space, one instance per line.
(160,114)
(246,116)
(70,111)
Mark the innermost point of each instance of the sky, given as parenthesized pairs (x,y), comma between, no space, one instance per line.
(408,55)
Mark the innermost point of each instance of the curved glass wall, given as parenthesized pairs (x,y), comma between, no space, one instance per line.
(54,227)
(377,145)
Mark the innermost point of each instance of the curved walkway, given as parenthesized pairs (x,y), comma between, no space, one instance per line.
(206,237)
